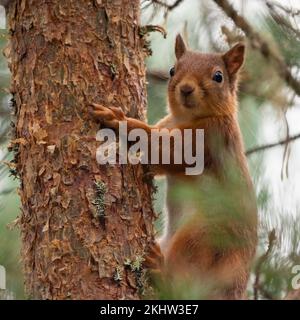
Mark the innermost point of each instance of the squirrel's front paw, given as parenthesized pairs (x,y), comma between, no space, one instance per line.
(109,117)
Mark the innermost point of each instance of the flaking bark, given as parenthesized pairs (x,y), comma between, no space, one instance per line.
(64,55)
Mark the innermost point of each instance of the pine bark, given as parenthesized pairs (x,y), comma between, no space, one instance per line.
(85,228)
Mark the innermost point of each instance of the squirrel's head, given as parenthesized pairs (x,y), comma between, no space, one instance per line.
(203,85)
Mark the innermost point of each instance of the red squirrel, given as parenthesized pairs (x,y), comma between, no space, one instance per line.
(210,237)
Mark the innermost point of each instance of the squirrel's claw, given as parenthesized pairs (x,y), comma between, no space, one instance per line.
(97,106)
(118,113)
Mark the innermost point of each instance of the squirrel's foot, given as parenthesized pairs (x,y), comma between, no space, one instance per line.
(108,116)
(154,262)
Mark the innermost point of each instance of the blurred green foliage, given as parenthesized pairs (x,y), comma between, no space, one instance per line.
(9,200)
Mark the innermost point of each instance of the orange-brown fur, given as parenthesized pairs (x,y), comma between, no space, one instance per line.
(189,250)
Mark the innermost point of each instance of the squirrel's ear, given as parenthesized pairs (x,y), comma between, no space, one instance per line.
(234,58)
(180,47)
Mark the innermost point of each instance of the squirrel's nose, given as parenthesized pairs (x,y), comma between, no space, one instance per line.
(186,90)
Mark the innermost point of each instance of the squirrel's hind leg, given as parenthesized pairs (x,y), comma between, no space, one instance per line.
(208,271)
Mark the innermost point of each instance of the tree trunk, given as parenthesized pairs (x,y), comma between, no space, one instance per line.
(85,227)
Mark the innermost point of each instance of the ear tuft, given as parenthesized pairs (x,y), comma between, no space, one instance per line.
(180,47)
(234,58)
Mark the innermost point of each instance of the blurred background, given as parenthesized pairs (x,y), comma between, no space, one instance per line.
(269,118)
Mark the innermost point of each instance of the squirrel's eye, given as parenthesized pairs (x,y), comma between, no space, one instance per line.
(218,77)
(172,72)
